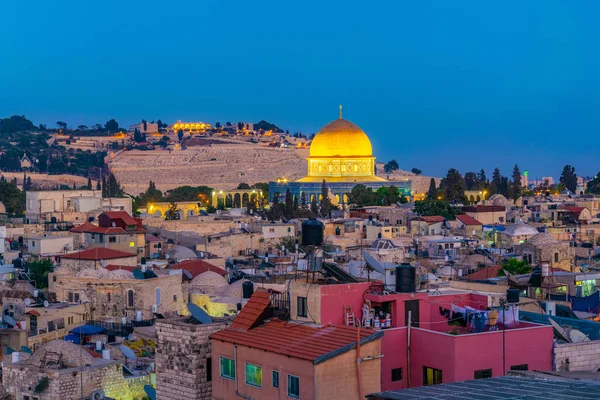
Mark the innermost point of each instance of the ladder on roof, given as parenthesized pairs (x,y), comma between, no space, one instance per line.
(349,316)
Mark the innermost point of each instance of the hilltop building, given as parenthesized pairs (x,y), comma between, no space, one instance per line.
(342,155)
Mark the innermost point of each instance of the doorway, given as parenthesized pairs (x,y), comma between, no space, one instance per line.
(413,307)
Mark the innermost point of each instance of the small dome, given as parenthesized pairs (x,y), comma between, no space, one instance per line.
(542,239)
(72,355)
(121,274)
(341,138)
(93,273)
(499,200)
(181,253)
(209,278)
(520,229)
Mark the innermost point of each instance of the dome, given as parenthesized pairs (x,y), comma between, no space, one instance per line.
(499,200)
(93,273)
(542,239)
(341,138)
(520,229)
(72,354)
(121,274)
(209,278)
(181,253)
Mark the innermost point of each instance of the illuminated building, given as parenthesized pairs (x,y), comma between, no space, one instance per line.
(189,126)
(342,155)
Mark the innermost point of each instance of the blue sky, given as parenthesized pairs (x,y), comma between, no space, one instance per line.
(435,84)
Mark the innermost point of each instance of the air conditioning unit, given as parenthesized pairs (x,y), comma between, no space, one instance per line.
(154,308)
(97,395)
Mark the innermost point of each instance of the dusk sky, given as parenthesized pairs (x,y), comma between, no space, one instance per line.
(435,84)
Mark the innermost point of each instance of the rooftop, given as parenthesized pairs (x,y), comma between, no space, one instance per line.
(197,267)
(504,387)
(97,254)
(468,220)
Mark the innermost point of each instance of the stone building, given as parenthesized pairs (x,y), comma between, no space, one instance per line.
(183,358)
(93,258)
(61,370)
(119,293)
(543,247)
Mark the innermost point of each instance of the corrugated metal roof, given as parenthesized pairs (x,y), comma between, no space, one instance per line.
(299,340)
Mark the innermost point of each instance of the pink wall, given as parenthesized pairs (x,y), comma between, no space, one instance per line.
(393,348)
(335,297)
(433,350)
(224,389)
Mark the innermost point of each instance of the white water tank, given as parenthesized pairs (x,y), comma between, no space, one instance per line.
(124,320)
(16,356)
(545,269)
(106,354)
(98,345)
(551,308)
(138,315)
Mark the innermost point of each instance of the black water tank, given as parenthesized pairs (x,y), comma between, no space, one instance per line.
(536,277)
(405,279)
(247,289)
(512,295)
(143,261)
(312,232)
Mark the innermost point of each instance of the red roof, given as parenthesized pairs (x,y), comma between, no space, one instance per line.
(196,267)
(481,209)
(576,210)
(253,312)
(124,215)
(115,267)
(467,220)
(151,238)
(484,273)
(298,340)
(98,253)
(83,227)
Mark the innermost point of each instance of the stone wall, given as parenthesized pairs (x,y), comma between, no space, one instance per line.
(577,356)
(183,355)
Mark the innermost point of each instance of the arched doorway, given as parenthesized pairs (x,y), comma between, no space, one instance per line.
(237,200)
(245,199)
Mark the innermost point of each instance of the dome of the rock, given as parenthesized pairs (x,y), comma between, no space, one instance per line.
(341,138)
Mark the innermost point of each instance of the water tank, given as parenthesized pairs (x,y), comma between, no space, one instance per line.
(247,289)
(53,220)
(512,295)
(405,279)
(312,232)
(143,261)
(536,278)
(545,269)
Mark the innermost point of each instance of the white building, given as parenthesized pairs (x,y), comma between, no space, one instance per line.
(49,246)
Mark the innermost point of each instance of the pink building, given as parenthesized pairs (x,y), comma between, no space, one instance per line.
(439,352)
(261,357)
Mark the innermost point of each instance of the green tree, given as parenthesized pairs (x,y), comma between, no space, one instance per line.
(111,126)
(12,198)
(593,186)
(569,178)
(426,208)
(391,166)
(453,186)
(314,207)
(39,270)
(325,205)
(151,195)
(361,196)
(114,188)
(89,183)
(98,185)
(62,125)
(516,183)
(243,186)
(432,193)
(180,135)
(14,124)
(172,213)
(416,171)
(496,182)
(472,181)
(289,204)
(515,267)
(303,201)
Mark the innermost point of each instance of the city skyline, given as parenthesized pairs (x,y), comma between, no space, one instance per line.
(470,88)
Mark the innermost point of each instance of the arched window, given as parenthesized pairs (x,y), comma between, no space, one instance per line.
(157,296)
(130,298)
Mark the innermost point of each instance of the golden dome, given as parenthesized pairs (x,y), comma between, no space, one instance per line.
(341,138)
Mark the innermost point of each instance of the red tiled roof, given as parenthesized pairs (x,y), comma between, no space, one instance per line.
(467,220)
(115,267)
(83,227)
(484,273)
(98,253)
(480,209)
(196,267)
(88,227)
(33,312)
(571,209)
(124,215)
(151,238)
(297,340)
(254,312)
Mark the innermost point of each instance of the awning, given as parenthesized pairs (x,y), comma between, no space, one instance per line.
(33,312)
(87,330)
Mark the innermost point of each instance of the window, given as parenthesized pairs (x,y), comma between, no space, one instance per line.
(33,243)
(396,374)
(431,376)
(275,379)
(76,295)
(130,298)
(227,368)
(175,298)
(70,297)
(501,219)
(302,307)
(482,374)
(271,230)
(520,367)
(253,375)
(555,257)
(108,297)
(131,244)
(293,386)
(100,238)
(209,369)
(112,239)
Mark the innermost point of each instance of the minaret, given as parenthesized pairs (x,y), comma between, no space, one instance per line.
(340,111)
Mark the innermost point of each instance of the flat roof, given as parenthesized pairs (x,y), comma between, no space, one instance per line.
(502,387)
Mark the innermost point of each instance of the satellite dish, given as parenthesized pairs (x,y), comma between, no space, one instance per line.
(103,263)
(150,391)
(28,302)
(577,336)
(9,320)
(561,333)
(46,304)
(127,352)
(199,314)
(114,224)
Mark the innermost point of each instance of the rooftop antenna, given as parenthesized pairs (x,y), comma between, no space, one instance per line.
(340,111)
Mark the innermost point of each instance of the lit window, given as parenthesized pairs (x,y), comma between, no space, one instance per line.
(275,379)
(131,244)
(293,383)
(227,368)
(431,376)
(253,375)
